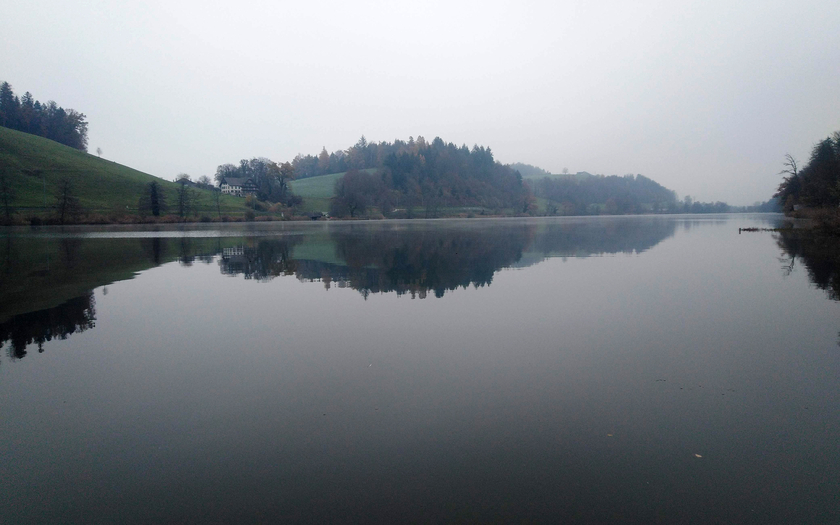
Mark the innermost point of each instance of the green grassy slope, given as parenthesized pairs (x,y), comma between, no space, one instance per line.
(36,165)
(320,187)
(317,191)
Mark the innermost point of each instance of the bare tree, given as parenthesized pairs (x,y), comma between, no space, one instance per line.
(790,166)
(7,195)
(67,205)
(205,182)
(185,198)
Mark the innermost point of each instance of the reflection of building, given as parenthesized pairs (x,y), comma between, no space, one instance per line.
(239,186)
(264,261)
(234,261)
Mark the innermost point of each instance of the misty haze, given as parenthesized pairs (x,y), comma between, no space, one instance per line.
(359,262)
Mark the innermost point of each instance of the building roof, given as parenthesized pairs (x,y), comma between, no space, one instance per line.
(238,181)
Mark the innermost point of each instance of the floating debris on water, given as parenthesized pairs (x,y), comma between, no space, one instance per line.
(762,230)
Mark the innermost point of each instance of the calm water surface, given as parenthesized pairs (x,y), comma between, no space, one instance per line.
(641,369)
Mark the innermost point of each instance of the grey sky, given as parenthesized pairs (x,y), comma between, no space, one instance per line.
(705,97)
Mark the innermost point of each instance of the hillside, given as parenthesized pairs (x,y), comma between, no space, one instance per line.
(585,194)
(35,165)
(398,178)
(317,191)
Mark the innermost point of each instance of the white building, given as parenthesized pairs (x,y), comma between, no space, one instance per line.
(238,186)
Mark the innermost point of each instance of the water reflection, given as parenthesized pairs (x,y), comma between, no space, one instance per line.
(818,252)
(690,383)
(47,283)
(587,238)
(262,261)
(417,262)
(75,315)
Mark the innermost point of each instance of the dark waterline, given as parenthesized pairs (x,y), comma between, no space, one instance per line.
(641,369)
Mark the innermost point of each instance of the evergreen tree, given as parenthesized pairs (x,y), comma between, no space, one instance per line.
(48,120)
(153,200)
(9,107)
(818,183)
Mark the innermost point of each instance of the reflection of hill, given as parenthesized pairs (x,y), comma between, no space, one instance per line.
(417,261)
(599,236)
(75,315)
(820,253)
(46,283)
(38,273)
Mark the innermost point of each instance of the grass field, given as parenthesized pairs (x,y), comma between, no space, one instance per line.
(35,166)
(317,191)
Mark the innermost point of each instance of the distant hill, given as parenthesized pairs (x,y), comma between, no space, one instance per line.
(587,194)
(396,179)
(35,165)
(528,171)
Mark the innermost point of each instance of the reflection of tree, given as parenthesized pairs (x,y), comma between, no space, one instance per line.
(417,261)
(590,237)
(155,248)
(75,315)
(161,249)
(186,252)
(263,262)
(69,251)
(818,252)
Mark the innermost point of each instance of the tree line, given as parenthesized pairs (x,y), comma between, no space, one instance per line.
(817,184)
(270,178)
(365,155)
(405,175)
(49,120)
(597,194)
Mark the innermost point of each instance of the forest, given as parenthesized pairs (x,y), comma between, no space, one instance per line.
(404,175)
(270,178)
(815,185)
(48,120)
(595,194)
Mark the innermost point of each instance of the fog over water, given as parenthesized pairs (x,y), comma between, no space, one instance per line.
(703,97)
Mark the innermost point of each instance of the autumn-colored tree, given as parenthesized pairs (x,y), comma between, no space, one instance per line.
(323,161)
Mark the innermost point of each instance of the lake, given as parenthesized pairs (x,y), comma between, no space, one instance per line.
(662,369)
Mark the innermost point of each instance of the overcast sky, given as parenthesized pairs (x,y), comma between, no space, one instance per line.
(704,97)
